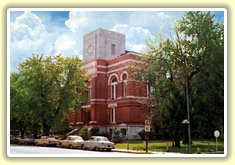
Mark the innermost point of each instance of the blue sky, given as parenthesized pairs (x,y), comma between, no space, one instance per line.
(61,32)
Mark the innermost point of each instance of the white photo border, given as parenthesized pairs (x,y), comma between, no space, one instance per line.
(117,9)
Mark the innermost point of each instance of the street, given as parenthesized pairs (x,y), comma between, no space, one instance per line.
(21,150)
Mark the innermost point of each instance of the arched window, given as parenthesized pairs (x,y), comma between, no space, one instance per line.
(113,87)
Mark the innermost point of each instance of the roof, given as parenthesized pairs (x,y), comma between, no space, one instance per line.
(98,136)
(131,52)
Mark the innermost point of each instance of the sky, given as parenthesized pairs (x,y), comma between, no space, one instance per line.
(61,32)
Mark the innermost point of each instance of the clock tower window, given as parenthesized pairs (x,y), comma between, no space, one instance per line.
(113,49)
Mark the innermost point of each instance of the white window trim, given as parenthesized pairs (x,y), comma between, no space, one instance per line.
(124,72)
(124,89)
(113,84)
(113,90)
(109,80)
(113,115)
(124,61)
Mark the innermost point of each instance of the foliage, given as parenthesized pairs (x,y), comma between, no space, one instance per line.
(84,133)
(20,112)
(47,89)
(143,135)
(192,56)
(94,131)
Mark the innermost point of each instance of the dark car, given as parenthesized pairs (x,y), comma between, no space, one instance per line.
(14,139)
(26,141)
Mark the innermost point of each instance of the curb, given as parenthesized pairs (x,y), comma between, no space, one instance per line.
(142,152)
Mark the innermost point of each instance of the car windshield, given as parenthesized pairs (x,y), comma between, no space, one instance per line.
(51,138)
(77,138)
(102,139)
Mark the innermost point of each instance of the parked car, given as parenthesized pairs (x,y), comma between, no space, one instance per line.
(98,143)
(26,141)
(14,139)
(72,141)
(47,141)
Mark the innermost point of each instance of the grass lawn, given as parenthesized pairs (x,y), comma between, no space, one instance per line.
(160,146)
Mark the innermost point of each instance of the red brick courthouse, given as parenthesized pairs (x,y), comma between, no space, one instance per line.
(114,97)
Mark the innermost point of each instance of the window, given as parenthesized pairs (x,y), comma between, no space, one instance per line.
(150,91)
(112,115)
(113,49)
(125,89)
(124,85)
(113,88)
(89,90)
(123,132)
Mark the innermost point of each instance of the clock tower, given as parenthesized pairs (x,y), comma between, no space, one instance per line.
(113,97)
(103,44)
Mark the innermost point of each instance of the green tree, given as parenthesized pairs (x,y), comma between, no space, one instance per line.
(20,118)
(171,63)
(53,86)
(208,105)
(206,80)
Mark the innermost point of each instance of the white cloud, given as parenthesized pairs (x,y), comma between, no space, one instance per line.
(135,36)
(28,35)
(27,25)
(156,21)
(67,45)
(76,20)
(43,33)
(81,23)
(143,19)
(163,15)
(140,48)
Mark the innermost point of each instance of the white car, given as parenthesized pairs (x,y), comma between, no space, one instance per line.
(47,140)
(98,143)
(72,141)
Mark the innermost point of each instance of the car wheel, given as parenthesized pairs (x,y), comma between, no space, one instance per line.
(25,143)
(97,149)
(83,147)
(36,144)
(70,146)
(44,145)
(109,150)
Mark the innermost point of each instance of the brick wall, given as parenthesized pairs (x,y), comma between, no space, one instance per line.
(128,110)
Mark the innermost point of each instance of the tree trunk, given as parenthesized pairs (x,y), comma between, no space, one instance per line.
(22,130)
(35,134)
(177,143)
(46,129)
(22,133)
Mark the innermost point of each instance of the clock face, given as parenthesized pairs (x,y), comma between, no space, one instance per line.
(90,49)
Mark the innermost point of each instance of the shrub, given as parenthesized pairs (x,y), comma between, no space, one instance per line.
(103,134)
(95,131)
(84,133)
(142,134)
(152,135)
